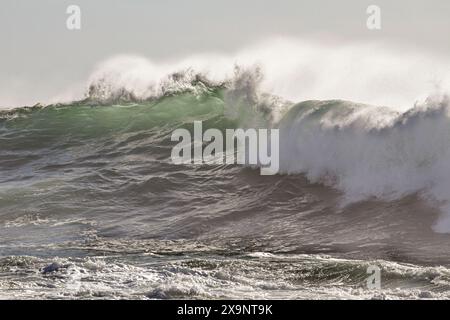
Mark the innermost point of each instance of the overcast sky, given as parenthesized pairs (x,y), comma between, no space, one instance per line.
(39,54)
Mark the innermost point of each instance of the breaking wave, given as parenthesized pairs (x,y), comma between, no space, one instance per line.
(365,151)
(372,152)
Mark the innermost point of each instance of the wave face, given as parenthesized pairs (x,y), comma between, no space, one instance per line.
(90,186)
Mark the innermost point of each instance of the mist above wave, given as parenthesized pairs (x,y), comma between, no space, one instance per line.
(277,71)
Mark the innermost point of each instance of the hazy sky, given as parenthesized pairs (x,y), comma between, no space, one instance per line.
(40,55)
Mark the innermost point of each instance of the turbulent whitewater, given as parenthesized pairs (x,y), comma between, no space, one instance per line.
(91,205)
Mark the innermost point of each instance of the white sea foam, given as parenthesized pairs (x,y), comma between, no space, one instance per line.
(372,152)
(297,277)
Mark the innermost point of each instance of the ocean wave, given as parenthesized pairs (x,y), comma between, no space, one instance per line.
(370,152)
(364,151)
